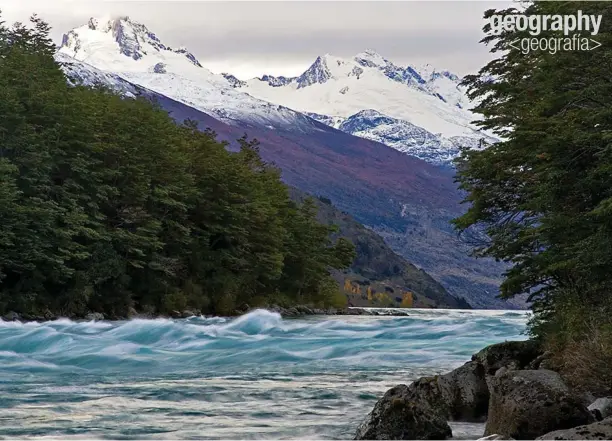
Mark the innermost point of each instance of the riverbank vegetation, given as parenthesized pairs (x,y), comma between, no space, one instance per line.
(107,205)
(544,193)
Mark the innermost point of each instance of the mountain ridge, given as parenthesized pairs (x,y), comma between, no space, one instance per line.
(427,99)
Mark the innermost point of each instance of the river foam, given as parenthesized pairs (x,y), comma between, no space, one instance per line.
(257,376)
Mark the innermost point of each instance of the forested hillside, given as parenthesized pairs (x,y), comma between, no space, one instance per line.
(106,205)
(377,269)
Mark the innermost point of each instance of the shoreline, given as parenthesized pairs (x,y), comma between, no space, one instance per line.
(291,312)
(515,389)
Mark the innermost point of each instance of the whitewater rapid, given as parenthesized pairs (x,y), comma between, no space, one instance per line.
(254,377)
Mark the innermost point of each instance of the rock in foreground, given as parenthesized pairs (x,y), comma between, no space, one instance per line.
(598,430)
(512,355)
(529,403)
(397,416)
(460,395)
(602,407)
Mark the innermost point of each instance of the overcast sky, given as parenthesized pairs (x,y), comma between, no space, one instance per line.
(284,38)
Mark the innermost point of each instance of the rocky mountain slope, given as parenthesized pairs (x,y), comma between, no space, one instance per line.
(378,267)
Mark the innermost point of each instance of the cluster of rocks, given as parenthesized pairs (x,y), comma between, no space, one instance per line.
(132,313)
(510,386)
(303,310)
(12,316)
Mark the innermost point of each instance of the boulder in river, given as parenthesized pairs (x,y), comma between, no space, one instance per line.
(397,416)
(11,316)
(598,430)
(529,403)
(460,395)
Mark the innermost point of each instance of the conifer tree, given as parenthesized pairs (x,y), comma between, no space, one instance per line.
(544,192)
(106,204)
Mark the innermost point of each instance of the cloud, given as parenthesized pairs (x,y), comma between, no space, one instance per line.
(252,38)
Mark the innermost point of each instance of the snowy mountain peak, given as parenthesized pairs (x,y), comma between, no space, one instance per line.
(431,73)
(105,36)
(318,72)
(99,23)
(234,82)
(371,58)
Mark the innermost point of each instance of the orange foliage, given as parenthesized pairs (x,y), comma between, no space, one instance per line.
(350,287)
(407,300)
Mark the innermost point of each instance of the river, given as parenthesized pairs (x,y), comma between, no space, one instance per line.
(254,377)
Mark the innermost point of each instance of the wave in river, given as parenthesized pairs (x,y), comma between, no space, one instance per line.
(255,376)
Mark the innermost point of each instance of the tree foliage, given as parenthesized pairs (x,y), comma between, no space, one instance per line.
(544,193)
(106,204)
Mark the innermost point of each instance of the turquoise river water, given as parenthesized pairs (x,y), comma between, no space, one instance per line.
(254,377)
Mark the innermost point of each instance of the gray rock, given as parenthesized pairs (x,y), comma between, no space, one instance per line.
(176,314)
(529,403)
(501,371)
(242,309)
(603,406)
(460,395)
(94,316)
(304,309)
(159,68)
(598,430)
(510,354)
(187,313)
(292,312)
(11,316)
(396,416)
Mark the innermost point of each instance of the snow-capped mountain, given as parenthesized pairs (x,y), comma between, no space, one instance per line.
(126,49)
(371,89)
(111,42)
(419,111)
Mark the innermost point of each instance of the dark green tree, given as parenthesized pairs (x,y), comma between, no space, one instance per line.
(107,205)
(544,192)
